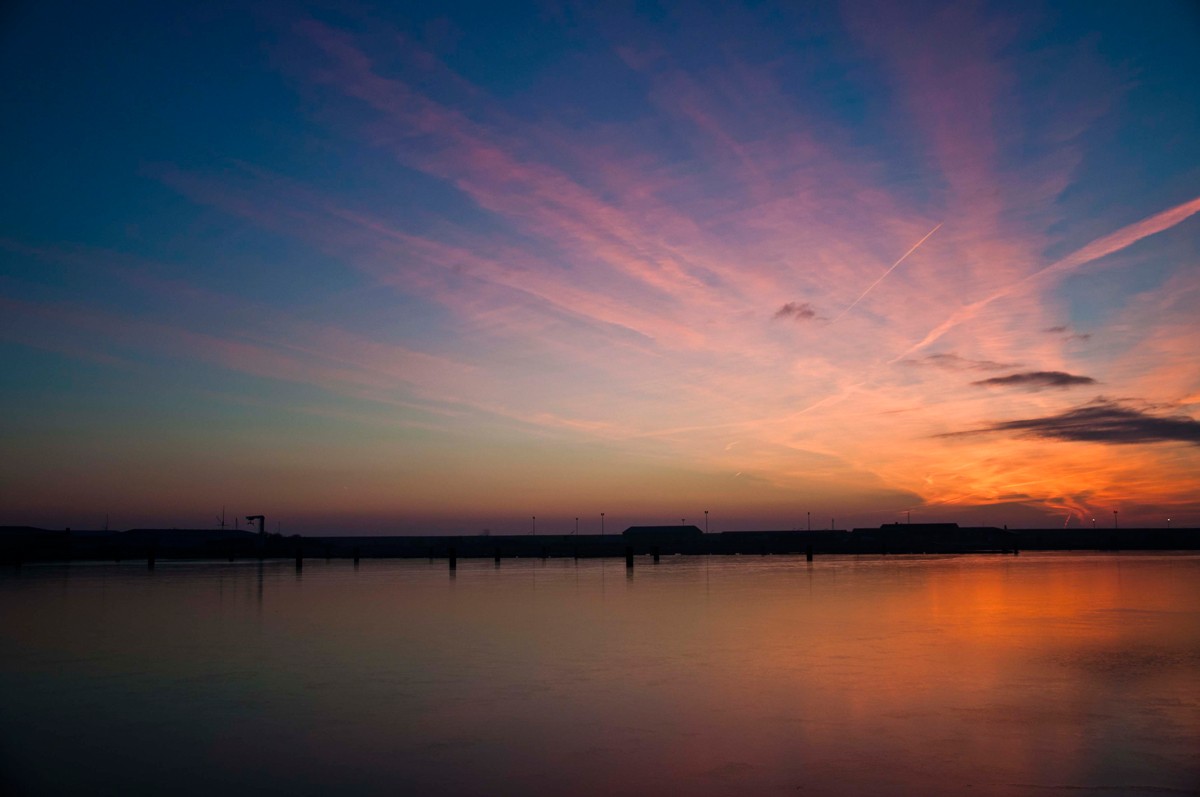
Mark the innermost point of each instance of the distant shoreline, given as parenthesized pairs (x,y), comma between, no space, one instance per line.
(20,544)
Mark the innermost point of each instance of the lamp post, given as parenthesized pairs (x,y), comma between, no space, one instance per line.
(1093,523)
(706,522)
(535,525)
(1114,518)
(601,524)
(809,516)
(1168,523)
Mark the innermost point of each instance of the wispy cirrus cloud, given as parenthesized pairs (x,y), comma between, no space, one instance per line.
(599,232)
(614,278)
(1036,380)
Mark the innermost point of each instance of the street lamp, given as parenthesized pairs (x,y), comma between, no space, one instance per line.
(576,526)
(535,525)
(706,522)
(809,516)
(601,524)
(1093,523)
(1114,518)
(1168,522)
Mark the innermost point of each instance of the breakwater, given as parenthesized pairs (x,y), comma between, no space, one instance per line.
(25,544)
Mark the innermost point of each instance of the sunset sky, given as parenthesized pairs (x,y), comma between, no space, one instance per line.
(447,267)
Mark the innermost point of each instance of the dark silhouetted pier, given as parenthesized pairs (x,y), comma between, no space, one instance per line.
(21,544)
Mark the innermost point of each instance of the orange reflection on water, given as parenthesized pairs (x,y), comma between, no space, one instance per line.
(739,675)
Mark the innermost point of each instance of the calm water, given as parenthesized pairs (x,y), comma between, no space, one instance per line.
(751,675)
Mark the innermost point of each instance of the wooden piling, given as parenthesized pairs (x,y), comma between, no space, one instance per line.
(150,559)
(453,558)
(655,551)
(628,557)
(356,556)
(496,558)
(808,553)
(299,558)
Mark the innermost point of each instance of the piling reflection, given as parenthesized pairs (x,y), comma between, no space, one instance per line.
(699,676)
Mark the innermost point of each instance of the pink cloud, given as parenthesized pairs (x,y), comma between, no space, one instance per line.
(629,301)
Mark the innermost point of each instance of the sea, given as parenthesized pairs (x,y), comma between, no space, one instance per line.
(1034,674)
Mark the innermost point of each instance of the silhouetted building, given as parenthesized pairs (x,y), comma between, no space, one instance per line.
(661,532)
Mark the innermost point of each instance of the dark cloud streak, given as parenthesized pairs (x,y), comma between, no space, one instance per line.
(802,311)
(953,362)
(1101,421)
(1036,380)
(1067,334)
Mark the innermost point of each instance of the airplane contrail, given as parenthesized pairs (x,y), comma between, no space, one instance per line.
(889,271)
(1101,247)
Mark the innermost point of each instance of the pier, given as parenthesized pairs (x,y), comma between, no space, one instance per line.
(30,545)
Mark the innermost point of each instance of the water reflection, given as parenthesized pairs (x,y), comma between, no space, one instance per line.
(996,675)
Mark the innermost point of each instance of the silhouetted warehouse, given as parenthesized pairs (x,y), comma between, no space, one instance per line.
(664,539)
(661,532)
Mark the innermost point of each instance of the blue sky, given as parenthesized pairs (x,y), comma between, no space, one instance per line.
(447,266)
